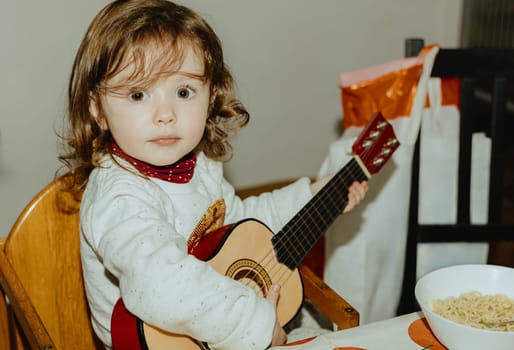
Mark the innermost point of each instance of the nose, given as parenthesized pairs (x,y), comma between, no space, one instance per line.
(165,112)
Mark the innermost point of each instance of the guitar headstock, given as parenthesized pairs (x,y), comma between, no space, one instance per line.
(376,144)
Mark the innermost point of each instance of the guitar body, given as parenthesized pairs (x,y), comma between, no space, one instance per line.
(242,251)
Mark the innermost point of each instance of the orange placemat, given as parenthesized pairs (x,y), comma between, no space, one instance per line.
(421,334)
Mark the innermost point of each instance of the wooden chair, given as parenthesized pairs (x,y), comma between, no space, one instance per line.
(40,276)
(485,75)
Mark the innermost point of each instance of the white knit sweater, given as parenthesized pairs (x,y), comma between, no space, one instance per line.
(133,244)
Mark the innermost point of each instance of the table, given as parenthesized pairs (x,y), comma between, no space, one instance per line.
(407,332)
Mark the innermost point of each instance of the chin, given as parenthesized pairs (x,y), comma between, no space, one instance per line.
(161,160)
(164,162)
(160,164)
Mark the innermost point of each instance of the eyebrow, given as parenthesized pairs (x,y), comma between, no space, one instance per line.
(190,75)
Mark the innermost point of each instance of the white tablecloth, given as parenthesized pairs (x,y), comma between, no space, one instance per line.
(408,332)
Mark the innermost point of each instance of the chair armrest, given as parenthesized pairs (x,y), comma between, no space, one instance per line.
(337,309)
(25,312)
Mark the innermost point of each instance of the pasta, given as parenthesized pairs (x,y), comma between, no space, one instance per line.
(477,310)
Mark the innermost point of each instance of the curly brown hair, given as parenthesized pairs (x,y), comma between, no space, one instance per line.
(119,36)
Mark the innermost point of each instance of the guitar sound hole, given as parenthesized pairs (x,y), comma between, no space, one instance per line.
(251,274)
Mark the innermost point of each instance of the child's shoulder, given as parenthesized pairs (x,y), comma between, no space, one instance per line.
(206,164)
(113,176)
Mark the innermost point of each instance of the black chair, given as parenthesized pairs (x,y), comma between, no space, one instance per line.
(487,79)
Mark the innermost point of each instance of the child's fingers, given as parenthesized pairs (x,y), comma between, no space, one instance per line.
(273,294)
(279,336)
(356,193)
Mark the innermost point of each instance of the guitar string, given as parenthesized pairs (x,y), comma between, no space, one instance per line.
(347,179)
(271,254)
(269,258)
(303,227)
(329,189)
(320,206)
(288,237)
(284,273)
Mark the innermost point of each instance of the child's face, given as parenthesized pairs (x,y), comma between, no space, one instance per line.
(162,123)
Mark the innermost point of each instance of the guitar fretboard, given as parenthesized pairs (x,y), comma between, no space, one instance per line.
(300,234)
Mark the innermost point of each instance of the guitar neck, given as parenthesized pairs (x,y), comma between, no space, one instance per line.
(300,234)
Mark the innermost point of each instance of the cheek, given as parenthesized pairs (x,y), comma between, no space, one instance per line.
(125,122)
(200,113)
(196,129)
(199,127)
(124,132)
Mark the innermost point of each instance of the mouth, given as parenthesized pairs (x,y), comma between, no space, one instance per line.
(165,140)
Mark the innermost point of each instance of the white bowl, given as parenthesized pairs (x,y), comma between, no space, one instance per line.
(458,279)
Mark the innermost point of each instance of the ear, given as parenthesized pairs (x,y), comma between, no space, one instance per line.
(94,110)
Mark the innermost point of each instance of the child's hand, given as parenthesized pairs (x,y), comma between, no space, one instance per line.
(356,193)
(279,335)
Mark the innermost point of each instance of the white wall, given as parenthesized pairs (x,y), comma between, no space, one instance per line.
(286,56)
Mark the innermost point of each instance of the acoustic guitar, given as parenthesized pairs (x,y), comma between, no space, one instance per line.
(250,253)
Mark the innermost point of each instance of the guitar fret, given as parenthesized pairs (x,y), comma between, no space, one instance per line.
(315,217)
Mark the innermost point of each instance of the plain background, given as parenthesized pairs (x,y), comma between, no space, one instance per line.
(286,57)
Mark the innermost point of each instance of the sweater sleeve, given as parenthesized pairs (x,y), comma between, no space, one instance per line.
(126,226)
(273,208)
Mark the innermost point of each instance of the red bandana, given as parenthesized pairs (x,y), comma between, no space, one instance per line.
(180,172)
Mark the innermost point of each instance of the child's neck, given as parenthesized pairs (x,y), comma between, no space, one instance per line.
(179,172)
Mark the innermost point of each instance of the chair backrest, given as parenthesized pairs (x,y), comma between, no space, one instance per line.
(43,251)
(486,78)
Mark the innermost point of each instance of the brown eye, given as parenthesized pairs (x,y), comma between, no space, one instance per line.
(138,96)
(185,92)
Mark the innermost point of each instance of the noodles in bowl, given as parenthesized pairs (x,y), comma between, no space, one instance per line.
(477,310)
(474,294)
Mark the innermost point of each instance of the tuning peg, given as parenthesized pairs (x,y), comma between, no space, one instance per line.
(374,134)
(391,142)
(381,125)
(367,144)
(385,151)
(378,161)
